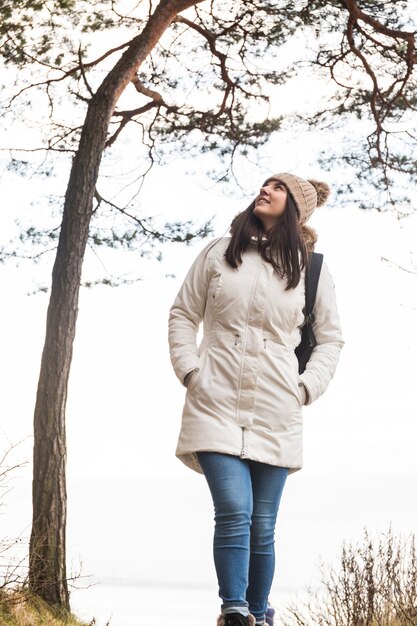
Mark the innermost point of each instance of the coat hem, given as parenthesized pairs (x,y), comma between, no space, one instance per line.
(190,459)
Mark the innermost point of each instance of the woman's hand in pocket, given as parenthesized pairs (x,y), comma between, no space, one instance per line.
(188,376)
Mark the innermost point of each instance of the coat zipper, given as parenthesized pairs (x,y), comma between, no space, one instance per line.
(246,330)
(243,451)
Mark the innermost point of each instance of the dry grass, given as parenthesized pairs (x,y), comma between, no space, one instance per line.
(19,608)
(374,584)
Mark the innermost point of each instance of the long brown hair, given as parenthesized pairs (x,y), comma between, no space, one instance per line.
(286,239)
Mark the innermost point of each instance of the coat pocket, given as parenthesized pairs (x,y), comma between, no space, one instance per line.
(301,395)
(214,290)
(196,375)
(286,372)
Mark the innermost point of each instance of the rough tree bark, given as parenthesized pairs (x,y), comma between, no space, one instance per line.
(47,562)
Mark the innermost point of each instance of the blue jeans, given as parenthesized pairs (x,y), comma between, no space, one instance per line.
(246,496)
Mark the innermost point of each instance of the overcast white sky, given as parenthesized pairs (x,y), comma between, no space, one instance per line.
(136,513)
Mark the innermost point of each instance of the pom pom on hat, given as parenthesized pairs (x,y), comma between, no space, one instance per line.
(322,189)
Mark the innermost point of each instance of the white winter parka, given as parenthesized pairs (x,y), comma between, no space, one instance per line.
(245,394)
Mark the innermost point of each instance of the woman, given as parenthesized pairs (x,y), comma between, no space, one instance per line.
(242,417)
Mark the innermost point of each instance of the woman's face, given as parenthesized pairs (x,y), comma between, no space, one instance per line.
(270,202)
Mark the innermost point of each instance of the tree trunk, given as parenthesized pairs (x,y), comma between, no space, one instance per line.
(47,555)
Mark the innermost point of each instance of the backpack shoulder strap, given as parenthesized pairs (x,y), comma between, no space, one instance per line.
(312,279)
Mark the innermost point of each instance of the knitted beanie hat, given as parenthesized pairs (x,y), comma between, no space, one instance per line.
(307,194)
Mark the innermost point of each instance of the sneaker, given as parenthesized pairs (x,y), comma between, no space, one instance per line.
(269,615)
(236,619)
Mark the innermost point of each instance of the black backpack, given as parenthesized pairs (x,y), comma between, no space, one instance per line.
(308,341)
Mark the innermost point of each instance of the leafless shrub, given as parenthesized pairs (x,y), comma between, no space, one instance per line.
(10,567)
(374,585)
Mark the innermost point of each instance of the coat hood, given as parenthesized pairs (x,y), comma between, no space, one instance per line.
(310,237)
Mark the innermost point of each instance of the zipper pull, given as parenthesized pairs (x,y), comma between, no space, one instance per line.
(264,340)
(237,335)
(243,451)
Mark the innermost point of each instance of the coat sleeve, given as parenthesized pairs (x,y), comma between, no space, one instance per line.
(322,364)
(185,316)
